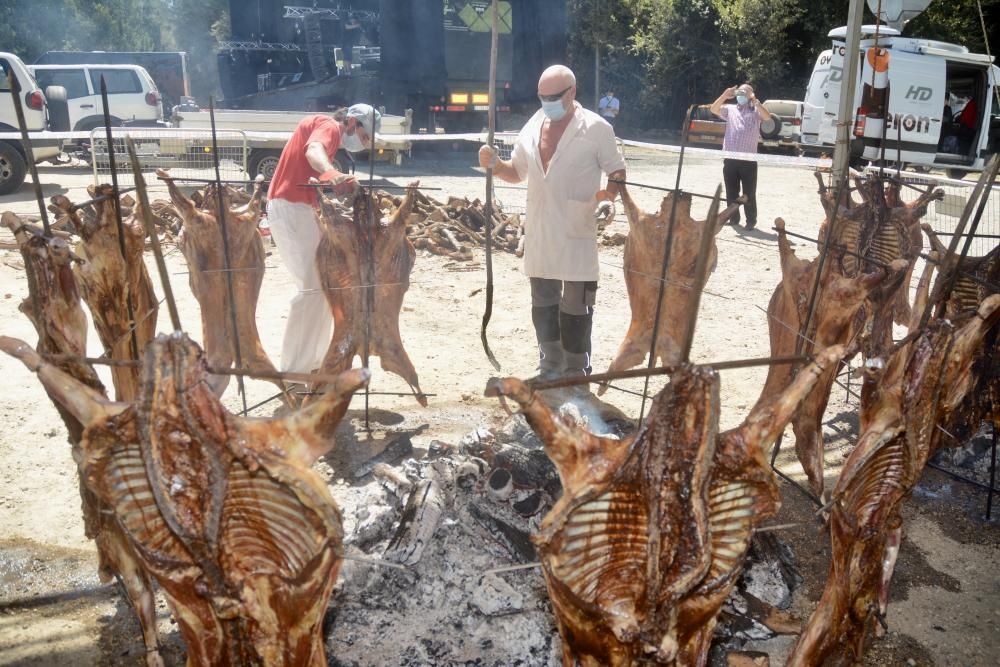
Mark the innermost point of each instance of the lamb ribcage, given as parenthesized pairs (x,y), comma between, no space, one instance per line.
(604,541)
(730,522)
(265,527)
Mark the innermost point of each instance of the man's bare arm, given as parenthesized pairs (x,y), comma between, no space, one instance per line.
(727,94)
(502,169)
(318,159)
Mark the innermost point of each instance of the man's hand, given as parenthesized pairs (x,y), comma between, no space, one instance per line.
(488,157)
(343,184)
(730,92)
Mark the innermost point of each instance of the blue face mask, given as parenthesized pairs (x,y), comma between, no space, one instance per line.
(741,99)
(554,110)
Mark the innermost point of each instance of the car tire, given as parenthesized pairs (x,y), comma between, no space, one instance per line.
(770,128)
(263,162)
(58,104)
(12,168)
(956,174)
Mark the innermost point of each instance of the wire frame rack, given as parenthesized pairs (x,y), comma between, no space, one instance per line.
(186,153)
(943,215)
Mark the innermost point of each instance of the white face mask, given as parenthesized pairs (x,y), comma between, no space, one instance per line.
(554,110)
(352,143)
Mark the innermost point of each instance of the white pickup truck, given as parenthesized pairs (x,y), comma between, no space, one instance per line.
(267,132)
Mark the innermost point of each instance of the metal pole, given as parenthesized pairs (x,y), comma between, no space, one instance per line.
(842,150)
(668,241)
(116,202)
(599,378)
(488,208)
(230,291)
(147,220)
(700,269)
(993,473)
(370,263)
(15,93)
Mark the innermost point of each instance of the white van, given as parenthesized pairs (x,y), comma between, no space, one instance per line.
(918,129)
(35,106)
(132,96)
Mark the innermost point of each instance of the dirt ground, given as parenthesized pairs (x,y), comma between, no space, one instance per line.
(945,601)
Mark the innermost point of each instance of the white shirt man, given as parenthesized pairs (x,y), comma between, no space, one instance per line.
(562,152)
(609,107)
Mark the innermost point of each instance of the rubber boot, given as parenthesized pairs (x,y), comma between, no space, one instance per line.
(575,336)
(550,350)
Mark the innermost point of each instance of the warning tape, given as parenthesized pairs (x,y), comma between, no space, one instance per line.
(387,139)
(763,158)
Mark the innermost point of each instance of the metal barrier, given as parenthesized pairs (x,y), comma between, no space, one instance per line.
(943,215)
(186,153)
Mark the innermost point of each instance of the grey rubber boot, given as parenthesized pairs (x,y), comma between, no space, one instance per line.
(550,350)
(575,335)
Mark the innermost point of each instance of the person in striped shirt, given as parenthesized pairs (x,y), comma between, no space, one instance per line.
(743,121)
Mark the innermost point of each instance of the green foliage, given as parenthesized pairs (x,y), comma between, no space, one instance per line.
(29,28)
(665,55)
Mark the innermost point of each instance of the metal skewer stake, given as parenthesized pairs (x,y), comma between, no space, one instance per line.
(488,209)
(666,260)
(226,255)
(700,277)
(116,202)
(147,220)
(369,263)
(15,93)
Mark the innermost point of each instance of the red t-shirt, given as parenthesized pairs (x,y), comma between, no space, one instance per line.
(293,168)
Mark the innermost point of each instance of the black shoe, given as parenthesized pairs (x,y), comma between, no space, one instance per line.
(751,225)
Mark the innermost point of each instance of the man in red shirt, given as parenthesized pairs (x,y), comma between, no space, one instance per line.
(308,157)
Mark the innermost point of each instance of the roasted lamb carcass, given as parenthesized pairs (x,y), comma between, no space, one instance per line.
(883,228)
(833,322)
(225,512)
(53,306)
(201,243)
(643,259)
(342,262)
(649,535)
(981,403)
(920,385)
(109,283)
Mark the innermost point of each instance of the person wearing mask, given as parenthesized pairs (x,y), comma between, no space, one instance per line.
(561,152)
(742,133)
(608,107)
(308,158)
(352,35)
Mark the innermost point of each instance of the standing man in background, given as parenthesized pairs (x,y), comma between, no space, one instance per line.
(562,152)
(308,157)
(608,107)
(742,133)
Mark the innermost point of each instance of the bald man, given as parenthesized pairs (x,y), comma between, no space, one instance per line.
(562,153)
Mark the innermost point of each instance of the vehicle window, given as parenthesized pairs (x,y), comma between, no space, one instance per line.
(119,81)
(73,80)
(4,68)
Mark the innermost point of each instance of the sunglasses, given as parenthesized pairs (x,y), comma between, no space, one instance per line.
(556,97)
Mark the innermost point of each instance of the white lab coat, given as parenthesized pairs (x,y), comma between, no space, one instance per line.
(560,229)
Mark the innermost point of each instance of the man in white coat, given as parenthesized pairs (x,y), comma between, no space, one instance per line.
(562,152)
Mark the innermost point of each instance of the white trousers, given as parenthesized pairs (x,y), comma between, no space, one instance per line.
(310,323)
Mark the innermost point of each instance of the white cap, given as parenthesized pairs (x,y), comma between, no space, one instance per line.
(363,112)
